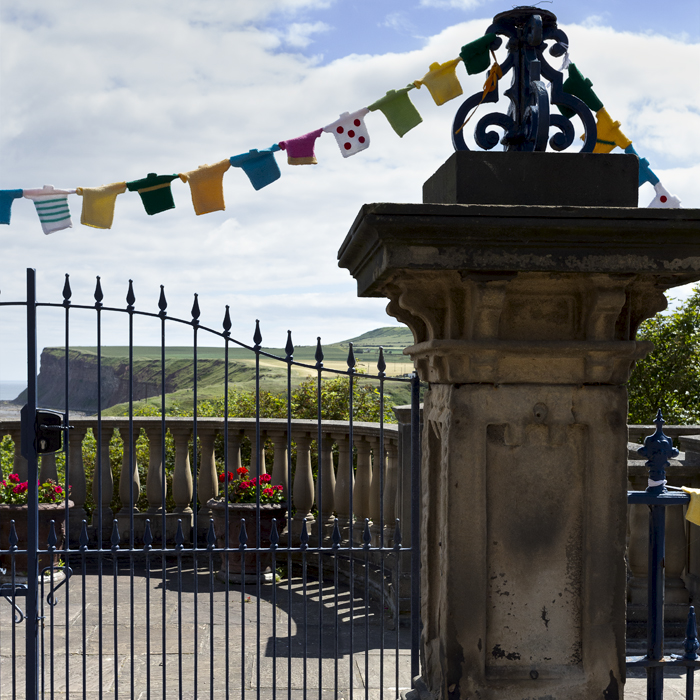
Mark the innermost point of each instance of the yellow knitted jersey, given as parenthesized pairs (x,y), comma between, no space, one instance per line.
(207,187)
(442,81)
(98,204)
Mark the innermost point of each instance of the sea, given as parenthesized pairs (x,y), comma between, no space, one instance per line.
(10,390)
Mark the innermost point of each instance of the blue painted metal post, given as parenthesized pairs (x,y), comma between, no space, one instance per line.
(657,449)
(655,630)
(32,647)
(691,646)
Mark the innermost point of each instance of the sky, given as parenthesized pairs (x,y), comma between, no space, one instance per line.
(94,93)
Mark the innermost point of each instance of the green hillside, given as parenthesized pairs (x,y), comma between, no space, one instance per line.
(211,368)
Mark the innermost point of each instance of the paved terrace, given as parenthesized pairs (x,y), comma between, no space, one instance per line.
(191,611)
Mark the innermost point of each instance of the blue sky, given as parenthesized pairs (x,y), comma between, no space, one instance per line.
(337,29)
(93,93)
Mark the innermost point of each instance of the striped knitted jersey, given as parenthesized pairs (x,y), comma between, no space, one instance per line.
(52,207)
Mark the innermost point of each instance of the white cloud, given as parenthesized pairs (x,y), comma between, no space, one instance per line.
(298,34)
(94,94)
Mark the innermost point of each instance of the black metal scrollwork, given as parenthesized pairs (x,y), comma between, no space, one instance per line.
(527,124)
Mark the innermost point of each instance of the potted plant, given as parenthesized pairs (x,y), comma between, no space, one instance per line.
(13,506)
(241,503)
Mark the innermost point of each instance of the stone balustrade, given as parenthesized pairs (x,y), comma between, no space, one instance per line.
(348,494)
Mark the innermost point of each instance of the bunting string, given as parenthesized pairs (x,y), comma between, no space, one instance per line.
(351,135)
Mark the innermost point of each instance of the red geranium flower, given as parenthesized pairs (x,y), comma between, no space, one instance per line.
(242,470)
(265,478)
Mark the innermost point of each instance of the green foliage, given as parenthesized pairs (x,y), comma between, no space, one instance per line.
(669,377)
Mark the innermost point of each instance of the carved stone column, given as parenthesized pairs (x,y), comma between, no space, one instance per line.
(524,320)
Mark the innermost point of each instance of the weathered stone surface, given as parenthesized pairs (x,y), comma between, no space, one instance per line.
(521,177)
(520,577)
(524,320)
(390,239)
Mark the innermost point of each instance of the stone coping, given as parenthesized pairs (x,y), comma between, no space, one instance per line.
(387,237)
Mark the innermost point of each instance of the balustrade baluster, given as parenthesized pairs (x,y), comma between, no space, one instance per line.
(254,470)
(154,477)
(363,483)
(128,480)
(234,449)
(378,463)
(344,482)
(391,488)
(207,482)
(76,479)
(19,465)
(48,468)
(327,497)
(105,496)
(303,487)
(182,476)
(279,461)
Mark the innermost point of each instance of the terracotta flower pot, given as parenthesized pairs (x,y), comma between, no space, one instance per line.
(246,511)
(47,513)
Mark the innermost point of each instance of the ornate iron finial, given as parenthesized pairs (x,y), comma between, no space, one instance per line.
(84,539)
(211,535)
(366,536)
(13,539)
(242,536)
(162,303)
(397,535)
(289,347)
(147,536)
(335,537)
(257,335)
(304,537)
(67,293)
(53,538)
(351,359)
(319,353)
(381,364)
(195,310)
(274,536)
(658,448)
(115,535)
(130,296)
(99,296)
(691,644)
(529,117)
(179,537)
(227,322)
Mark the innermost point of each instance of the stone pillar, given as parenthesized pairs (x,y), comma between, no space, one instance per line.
(524,319)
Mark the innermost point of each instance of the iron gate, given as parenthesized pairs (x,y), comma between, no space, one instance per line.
(140,604)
